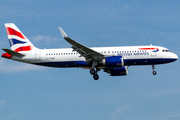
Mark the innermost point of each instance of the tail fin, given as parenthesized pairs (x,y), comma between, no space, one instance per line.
(17,39)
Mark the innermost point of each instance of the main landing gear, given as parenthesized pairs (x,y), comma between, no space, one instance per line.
(94,73)
(153,68)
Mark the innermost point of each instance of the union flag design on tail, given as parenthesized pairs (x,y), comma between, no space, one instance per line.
(17,39)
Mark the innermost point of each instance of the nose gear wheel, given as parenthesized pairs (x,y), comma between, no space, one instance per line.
(153,68)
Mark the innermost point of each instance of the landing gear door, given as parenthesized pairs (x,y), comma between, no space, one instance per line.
(37,55)
(153,53)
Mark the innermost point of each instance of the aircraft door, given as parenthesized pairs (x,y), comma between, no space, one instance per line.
(153,54)
(37,55)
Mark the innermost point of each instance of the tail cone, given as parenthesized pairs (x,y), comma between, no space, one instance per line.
(6,55)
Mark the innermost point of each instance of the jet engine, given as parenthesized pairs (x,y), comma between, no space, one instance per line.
(113,61)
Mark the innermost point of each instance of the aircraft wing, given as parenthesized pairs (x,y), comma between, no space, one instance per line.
(84,51)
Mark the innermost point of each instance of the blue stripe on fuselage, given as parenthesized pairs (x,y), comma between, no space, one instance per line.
(148,61)
(127,62)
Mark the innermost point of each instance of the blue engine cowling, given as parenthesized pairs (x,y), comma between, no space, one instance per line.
(119,71)
(113,61)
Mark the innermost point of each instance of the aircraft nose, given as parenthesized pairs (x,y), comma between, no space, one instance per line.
(174,56)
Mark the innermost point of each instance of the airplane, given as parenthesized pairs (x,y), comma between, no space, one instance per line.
(113,60)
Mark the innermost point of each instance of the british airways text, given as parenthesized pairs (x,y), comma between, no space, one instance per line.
(134,54)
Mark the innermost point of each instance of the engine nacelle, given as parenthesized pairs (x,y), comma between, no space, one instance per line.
(113,61)
(119,71)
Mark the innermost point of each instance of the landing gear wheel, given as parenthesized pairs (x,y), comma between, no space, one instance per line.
(92,71)
(96,76)
(154,72)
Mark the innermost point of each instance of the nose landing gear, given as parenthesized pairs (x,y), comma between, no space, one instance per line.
(94,73)
(153,68)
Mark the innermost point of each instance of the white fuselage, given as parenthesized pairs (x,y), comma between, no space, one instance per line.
(132,55)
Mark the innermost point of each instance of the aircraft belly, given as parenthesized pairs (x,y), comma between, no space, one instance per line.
(147,61)
(60,61)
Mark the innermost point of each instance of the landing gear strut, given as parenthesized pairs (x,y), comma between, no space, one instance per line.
(94,73)
(153,68)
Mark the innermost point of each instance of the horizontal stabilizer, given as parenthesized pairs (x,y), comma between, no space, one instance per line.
(13,53)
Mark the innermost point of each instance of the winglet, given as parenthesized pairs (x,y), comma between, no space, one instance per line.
(63,33)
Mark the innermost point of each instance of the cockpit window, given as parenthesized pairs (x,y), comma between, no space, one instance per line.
(165,50)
